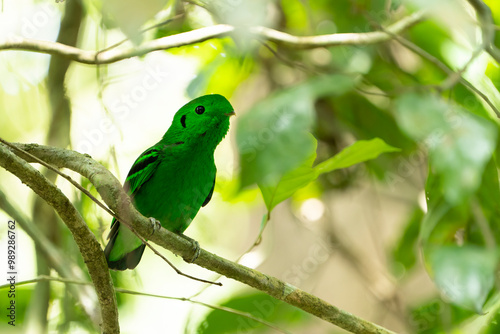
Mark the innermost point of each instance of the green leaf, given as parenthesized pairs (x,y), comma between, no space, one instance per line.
(274,137)
(464,274)
(487,323)
(459,143)
(290,182)
(258,305)
(360,151)
(427,318)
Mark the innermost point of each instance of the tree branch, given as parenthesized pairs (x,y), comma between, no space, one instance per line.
(108,56)
(113,195)
(310,42)
(85,239)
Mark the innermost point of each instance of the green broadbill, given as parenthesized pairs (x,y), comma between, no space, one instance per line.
(174,178)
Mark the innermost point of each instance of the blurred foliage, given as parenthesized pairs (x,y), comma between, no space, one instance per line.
(405,252)
(453,138)
(23,297)
(436,316)
(279,125)
(318,124)
(258,305)
(465,274)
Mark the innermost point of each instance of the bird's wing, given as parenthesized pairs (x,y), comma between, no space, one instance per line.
(145,166)
(142,170)
(209,197)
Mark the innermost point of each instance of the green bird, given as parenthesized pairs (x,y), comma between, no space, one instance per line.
(174,178)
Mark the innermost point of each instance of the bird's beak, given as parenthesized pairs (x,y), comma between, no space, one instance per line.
(229,114)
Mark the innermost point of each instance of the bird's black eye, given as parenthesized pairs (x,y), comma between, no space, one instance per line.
(200,110)
(183,120)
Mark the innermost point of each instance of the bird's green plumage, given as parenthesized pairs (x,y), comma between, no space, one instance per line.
(171,180)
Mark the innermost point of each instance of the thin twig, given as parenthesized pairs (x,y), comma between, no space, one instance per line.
(137,293)
(424,54)
(167,21)
(290,63)
(92,197)
(366,92)
(487,28)
(257,242)
(215,307)
(483,225)
(454,78)
(452,75)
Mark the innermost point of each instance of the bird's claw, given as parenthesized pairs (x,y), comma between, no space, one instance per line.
(196,249)
(155,223)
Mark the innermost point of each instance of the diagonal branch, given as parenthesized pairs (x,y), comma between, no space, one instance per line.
(113,195)
(452,75)
(487,28)
(85,239)
(108,56)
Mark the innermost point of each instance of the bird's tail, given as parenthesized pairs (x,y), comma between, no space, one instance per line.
(124,250)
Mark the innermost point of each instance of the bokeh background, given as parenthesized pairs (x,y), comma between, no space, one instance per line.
(407,240)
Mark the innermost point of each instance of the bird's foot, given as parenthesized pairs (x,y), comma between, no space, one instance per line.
(196,249)
(155,224)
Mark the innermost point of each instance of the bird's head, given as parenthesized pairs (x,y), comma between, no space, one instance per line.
(202,121)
